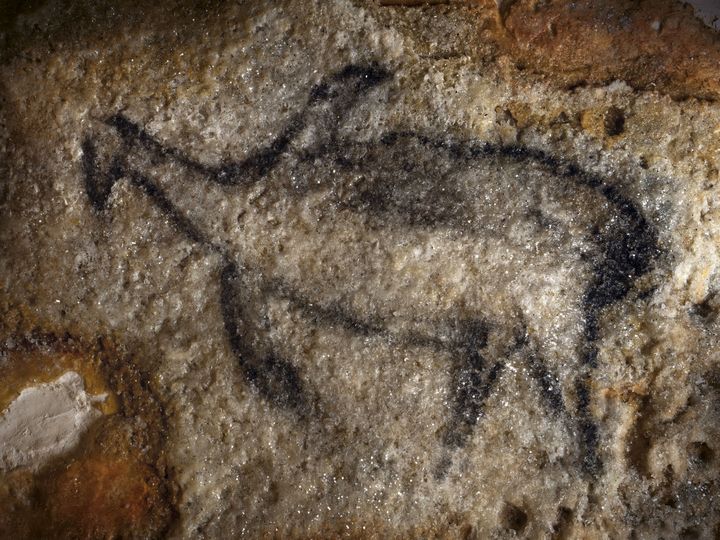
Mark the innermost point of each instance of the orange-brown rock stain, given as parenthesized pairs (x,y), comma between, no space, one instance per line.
(100,496)
(115,483)
(650,44)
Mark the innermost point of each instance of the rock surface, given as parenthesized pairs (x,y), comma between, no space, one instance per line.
(377,270)
(45,421)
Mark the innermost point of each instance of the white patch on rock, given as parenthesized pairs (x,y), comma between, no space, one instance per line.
(45,421)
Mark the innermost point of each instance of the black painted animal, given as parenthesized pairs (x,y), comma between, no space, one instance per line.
(462,246)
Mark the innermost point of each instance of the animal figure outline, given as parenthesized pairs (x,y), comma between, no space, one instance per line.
(628,248)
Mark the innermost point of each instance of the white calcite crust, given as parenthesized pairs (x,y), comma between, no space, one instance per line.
(45,421)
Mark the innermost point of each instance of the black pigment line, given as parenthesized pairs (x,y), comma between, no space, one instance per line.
(276,379)
(548,383)
(472,386)
(342,89)
(98,185)
(360,77)
(335,314)
(589,430)
(244,172)
(132,134)
(331,315)
(466,339)
(628,246)
(165,205)
(628,250)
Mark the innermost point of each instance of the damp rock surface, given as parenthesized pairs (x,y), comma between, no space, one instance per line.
(375,269)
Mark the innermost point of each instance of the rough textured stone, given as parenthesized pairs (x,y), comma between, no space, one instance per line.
(369,270)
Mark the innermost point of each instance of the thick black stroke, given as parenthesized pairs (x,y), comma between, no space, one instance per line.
(628,244)
(276,379)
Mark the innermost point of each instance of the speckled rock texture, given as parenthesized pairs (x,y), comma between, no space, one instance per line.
(377,269)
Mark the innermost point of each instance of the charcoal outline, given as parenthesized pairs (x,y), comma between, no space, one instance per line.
(629,249)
